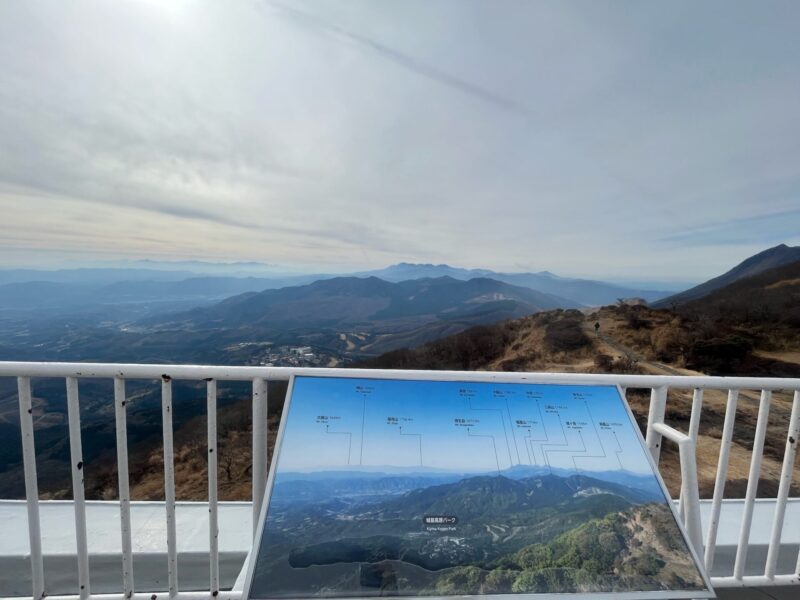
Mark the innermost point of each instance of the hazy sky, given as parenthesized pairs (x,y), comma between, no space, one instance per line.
(619,139)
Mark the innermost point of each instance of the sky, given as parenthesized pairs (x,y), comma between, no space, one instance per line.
(626,140)
(362,424)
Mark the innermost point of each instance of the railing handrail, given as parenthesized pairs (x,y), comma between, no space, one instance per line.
(245,373)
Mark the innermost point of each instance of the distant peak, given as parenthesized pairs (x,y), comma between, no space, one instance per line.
(780,248)
(421,265)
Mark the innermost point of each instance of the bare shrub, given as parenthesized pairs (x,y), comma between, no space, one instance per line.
(603,363)
(565,335)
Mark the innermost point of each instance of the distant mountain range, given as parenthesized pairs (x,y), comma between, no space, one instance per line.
(88,314)
(387,315)
(62,296)
(758,263)
(318,486)
(584,292)
(65,290)
(341,317)
(355,300)
(750,326)
(152,288)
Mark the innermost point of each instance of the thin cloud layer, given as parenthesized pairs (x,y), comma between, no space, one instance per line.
(603,139)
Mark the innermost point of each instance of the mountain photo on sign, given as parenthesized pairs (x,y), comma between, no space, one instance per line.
(443,488)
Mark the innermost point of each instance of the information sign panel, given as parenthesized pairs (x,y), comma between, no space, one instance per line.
(442,488)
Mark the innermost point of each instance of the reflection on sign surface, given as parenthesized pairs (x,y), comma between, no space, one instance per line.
(429,488)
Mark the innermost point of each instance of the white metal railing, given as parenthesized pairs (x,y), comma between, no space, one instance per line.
(657,430)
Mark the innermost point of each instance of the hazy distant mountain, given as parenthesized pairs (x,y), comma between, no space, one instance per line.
(363,301)
(489,496)
(318,486)
(209,267)
(151,270)
(584,292)
(212,281)
(64,292)
(94,276)
(405,271)
(758,263)
(64,297)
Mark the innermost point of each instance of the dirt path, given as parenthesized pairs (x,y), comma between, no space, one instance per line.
(348,341)
(610,345)
(789,357)
(606,343)
(714,406)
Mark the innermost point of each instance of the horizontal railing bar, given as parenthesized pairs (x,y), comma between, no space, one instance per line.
(671,433)
(198,595)
(201,372)
(754,581)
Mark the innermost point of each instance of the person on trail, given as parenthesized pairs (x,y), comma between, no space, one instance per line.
(597,328)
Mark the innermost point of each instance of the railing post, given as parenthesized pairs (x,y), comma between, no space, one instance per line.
(169,485)
(78,495)
(722,475)
(213,528)
(783,490)
(123,485)
(31,485)
(686,449)
(688,457)
(697,410)
(694,429)
(658,407)
(260,410)
(752,484)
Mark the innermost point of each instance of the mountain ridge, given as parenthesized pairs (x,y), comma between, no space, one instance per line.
(167,284)
(357,300)
(758,263)
(586,292)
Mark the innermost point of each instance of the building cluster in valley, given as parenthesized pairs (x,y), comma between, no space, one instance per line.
(265,354)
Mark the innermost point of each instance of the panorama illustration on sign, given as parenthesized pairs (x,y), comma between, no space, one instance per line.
(440,488)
